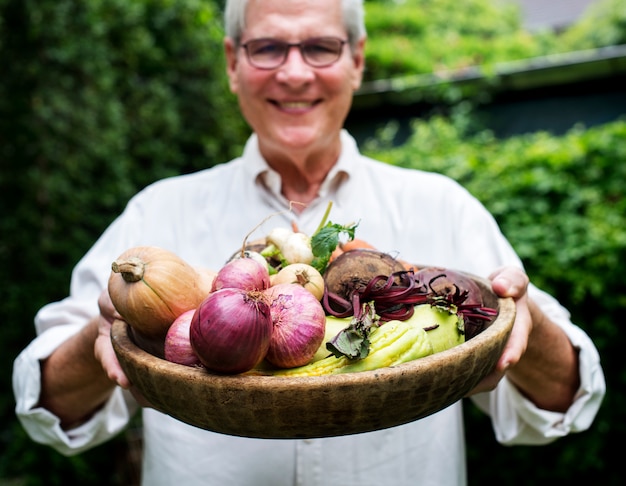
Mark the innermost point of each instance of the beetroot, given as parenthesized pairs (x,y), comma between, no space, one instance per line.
(461,290)
(395,295)
(353,270)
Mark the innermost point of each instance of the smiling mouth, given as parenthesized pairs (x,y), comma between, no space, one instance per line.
(294,105)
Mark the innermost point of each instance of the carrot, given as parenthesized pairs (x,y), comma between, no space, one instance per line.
(360,244)
(355,244)
(336,252)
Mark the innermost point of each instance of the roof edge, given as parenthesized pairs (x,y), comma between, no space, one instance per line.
(519,75)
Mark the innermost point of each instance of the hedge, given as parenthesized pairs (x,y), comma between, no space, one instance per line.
(97,100)
(423,36)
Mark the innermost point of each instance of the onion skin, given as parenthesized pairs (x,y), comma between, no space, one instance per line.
(302,274)
(242,273)
(177,343)
(231,330)
(255,255)
(297,249)
(299,325)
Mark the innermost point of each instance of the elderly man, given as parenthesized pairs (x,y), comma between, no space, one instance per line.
(294,65)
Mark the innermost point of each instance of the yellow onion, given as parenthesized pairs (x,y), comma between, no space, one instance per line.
(302,274)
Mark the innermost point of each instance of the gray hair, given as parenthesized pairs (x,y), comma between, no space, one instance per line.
(353,19)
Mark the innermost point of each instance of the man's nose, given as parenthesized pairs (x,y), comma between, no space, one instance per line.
(295,67)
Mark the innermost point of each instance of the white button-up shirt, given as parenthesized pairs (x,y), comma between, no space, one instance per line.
(421,217)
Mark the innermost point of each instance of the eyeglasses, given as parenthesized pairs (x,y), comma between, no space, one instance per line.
(272,53)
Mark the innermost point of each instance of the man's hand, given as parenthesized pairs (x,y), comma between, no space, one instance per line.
(539,359)
(510,282)
(103,349)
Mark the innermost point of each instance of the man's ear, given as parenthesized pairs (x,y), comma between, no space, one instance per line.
(230,50)
(358,57)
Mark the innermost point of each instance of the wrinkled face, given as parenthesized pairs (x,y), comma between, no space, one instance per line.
(294,106)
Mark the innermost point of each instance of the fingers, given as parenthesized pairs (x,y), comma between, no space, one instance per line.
(518,340)
(509,282)
(103,348)
(513,350)
(513,282)
(106,355)
(107,310)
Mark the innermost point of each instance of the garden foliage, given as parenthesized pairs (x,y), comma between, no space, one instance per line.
(409,37)
(97,100)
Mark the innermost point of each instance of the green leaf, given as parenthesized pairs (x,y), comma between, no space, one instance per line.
(353,342)
(325,241)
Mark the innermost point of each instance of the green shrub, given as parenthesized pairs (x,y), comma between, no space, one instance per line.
(604,24)
(421,36)
(97,99)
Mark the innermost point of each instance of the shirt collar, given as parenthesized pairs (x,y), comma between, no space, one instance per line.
(265,176)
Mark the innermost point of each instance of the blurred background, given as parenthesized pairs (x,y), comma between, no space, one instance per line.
(522,101)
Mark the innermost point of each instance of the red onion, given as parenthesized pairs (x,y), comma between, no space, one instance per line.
(231,330)
(242,273)
(177,343)
(299,325)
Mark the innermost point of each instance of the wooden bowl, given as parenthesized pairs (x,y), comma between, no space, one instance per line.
(324,406)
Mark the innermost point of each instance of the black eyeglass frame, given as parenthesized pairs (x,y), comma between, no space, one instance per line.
(301,47)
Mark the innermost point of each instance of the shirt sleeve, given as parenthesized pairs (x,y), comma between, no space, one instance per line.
(516,420)
(43,426)
(55,323)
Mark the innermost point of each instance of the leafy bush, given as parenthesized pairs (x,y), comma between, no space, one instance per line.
(420,36)
(97,99)
(604,24)
(561,203)
(412,37)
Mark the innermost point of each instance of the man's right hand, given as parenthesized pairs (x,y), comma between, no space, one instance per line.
(103,349)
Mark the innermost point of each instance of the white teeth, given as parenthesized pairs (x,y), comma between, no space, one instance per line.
(295,104)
